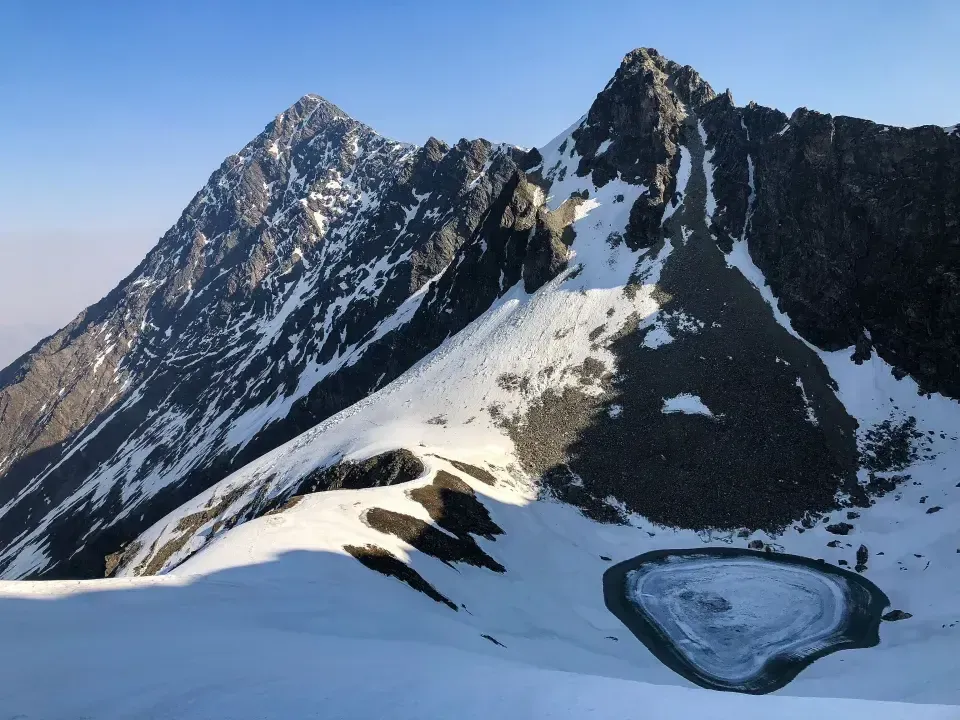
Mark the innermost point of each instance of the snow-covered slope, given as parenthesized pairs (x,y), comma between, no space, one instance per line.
(597,372)
(299,255)
(483,400)
(166,649)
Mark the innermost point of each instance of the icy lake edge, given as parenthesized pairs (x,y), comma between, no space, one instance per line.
(860,625)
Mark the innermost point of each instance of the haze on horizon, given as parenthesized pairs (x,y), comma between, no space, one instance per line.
(114,119)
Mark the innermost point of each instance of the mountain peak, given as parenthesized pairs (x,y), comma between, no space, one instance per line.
(311,109)
(643,54)
(684,80)
(312,100)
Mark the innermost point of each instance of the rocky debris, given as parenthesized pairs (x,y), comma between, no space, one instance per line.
(895,615)
(840,528)
(429,540)
(389,468)
(384,562)
(454,506)
(934,509)
(493,640)
(186,528)
(880,485)
(484,476)
(513,382)
(890,445)
(286,505)
(560,482)
(114,561)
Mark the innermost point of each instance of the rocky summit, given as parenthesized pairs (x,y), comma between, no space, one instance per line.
(702,288)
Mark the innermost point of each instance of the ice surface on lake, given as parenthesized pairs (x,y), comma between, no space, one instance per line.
(740,620)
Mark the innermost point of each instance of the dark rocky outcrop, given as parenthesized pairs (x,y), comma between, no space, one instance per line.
(390,468)
(640,113)
(484,476)
(386,563)
(429,540)
(840,528)
(454,507)
(855,226)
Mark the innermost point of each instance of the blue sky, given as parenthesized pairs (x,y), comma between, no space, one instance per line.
(114,113)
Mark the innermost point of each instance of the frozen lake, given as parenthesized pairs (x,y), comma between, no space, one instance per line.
(739,620)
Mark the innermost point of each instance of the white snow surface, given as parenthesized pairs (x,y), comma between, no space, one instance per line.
(683,175)
(708,172)
(272,617)
(187,649)
(659,333)
(657,336)
(687,404)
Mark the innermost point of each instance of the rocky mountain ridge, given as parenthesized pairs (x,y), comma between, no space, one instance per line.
(323,261)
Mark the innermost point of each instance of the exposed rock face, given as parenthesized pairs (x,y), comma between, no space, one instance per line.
(633,129)
(323,260)
(389,468)
(855,226)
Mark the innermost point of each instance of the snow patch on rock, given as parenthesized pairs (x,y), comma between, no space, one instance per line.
(687,404)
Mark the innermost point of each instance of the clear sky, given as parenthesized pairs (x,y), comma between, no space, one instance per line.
(113,114)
